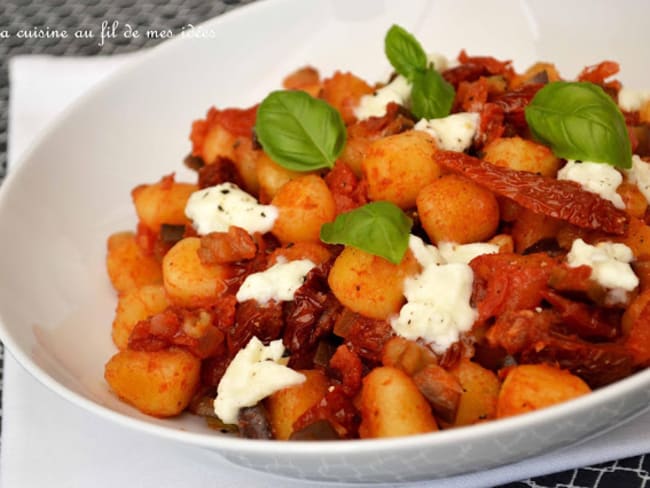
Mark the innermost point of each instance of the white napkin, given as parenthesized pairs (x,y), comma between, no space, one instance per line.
(47,441)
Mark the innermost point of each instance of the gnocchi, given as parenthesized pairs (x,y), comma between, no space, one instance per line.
(415,288)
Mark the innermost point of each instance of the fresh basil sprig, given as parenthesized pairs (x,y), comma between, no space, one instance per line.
(300,132)
(404,52)
(578,120)
(431,96)
(379,228)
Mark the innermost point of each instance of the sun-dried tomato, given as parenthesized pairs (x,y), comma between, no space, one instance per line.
(586,321)
(513,104)
(221,171)
(238,271)
(502,114)
(156,332)
(337,408)
(490,64)
(517,330)
(507,281)
(396,120)
(367,337)
(598,74)
(468,72)
(473,67)
(490,125)
(577,283)
(309,317)
(574,279)
(223,312)
(560,199)
(226,247)
(194,329)
(237,121)
(347,190)
(349,366)
(515,101)
(598,364)
(638,339)
(213,369)
(471,96)
(252,319)
(533,337)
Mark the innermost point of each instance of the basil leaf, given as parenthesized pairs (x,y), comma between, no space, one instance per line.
(379,228)
(300,132)
(404,52)
(578,120)
(431,96)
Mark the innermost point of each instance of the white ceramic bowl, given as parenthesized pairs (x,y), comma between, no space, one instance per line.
(72,190)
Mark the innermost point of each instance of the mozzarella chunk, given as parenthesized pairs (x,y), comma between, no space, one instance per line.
(599,178)
(632,100)
(639,174)
(609,263)
(279,282)
(216,208)
(398,91)
(438,61)
(374,105)
(438,306)
(452,133)
(254,373)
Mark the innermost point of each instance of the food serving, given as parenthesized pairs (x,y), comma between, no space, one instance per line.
(460,244)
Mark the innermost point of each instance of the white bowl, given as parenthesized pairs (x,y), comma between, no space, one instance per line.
(72,190)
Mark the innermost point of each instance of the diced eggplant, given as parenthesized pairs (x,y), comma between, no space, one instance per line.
(320,430)
(194,162)
(171,233)
(254,423)
(441,388)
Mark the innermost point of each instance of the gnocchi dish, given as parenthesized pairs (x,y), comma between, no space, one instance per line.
(460,243)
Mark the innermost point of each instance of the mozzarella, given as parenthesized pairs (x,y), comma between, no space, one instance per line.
(609,263)
(639,174)
(452,133)
(216,208)
(632,100)
(374,105)
(438,61)
(438,306)
(279,282)
(253,374)
(599,178)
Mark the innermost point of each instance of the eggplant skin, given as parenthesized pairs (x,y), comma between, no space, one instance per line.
(254,423)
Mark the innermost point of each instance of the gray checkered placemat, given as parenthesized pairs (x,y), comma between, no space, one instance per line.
(163,15)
